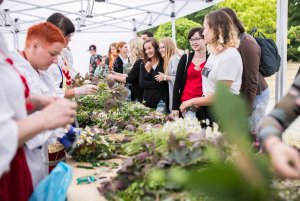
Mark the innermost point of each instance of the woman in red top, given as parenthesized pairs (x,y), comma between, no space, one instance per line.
(188,81)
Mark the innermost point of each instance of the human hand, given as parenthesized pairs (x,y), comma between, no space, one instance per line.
(284,159)
(148,66)
(85,90)
(160,77)
(39,102)
(69,138)
(185,105)
(110,76)
(59,113)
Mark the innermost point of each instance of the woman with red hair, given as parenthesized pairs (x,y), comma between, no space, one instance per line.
(44,43)
(122,59)
(17,127)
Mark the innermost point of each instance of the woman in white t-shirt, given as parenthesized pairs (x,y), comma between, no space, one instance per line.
(224,63)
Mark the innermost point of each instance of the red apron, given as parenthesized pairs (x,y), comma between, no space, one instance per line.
(16,185)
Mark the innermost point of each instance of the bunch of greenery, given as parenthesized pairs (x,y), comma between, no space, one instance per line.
(179,162)
(91,146)
(108,108)
(161,154)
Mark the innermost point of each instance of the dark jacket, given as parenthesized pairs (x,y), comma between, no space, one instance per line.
(118,65)
(252,81)
(180,79)
(133,79)
(154,91)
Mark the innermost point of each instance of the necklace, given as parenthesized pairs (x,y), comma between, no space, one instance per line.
(197,64)
(29,105)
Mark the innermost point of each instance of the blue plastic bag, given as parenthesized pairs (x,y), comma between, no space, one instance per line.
(55,186)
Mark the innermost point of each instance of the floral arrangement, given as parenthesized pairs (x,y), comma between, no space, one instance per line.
(158,155)
(91,146)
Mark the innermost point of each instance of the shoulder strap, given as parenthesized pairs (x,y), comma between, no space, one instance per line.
(62,77)
(186,63)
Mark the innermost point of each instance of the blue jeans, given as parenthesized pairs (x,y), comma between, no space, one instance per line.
(161,107)
(259,109)
(189,114)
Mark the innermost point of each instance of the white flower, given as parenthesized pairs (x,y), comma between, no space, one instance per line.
(89,140)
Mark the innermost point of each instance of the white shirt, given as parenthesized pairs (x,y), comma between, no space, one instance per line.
(55,70)
(56,75)
(36,149)
(226,65)
(172,70)
(12,108)
(124,60)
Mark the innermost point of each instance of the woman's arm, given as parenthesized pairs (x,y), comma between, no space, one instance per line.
(203,101)
(57,114)
(250,53)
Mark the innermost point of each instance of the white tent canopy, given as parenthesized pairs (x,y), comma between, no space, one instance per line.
(101,16)
(99,22)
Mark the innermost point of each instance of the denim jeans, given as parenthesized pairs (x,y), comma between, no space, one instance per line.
(259,109)
(161,107)
(189,114)
(129,93)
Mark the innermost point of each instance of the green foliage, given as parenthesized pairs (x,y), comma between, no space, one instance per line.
(199,16)
(183,26)
(246,177)
(294,43)
(294,14)
(255,13)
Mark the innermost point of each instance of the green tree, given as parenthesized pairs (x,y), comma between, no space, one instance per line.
(255,13)
(183,26)
(199,16)
(294,43)
(294,14)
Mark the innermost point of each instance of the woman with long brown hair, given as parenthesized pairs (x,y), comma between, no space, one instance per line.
(155,93)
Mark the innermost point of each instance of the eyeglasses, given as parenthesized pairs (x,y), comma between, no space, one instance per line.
(195,39)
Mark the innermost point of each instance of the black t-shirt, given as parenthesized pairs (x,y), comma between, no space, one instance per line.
(94,62)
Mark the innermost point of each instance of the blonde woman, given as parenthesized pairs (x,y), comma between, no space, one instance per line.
(224,63)
(136,58)
(170,54)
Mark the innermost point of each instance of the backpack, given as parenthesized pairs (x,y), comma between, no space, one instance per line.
(270,58)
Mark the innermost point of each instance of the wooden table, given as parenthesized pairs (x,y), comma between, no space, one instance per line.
(89,192)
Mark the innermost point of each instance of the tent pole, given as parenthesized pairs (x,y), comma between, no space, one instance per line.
(134,28)
(281,41)
(173,15)
(16,40)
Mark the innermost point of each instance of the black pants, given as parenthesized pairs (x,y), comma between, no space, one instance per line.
(205,113)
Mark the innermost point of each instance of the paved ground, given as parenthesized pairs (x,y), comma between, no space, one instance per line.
(292,134)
